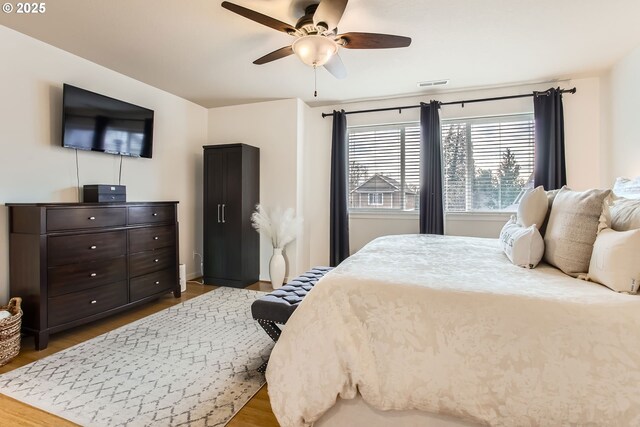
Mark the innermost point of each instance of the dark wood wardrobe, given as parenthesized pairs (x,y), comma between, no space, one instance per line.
(231,192)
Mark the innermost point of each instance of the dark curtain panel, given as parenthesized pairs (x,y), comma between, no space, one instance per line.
(339,239)
(549,164)
(431,210)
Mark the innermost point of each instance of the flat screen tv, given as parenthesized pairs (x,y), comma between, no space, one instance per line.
(96,122)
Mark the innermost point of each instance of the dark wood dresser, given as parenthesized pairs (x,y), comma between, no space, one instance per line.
(72,263)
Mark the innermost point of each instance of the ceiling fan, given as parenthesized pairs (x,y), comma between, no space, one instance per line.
(317,39)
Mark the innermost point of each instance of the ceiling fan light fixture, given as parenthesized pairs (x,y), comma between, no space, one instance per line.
(315,50)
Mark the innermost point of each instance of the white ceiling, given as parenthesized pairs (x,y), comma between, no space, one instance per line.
(204,53)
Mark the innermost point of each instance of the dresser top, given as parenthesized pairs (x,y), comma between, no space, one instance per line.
(104,204)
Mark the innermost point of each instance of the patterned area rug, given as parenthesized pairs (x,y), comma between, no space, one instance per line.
(193,364)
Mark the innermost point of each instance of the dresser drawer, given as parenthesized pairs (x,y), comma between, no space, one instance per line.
(74,218)
(77,277)
(77,305)
(151,284)
(147,262)
(83,248)
(146,239)
(151,214)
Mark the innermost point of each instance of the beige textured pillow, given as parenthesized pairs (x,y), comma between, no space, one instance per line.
(533,207)
(572,229)
(615,262)
(551,195)
(625,214)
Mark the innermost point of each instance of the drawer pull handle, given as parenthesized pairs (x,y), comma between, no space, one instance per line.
(92,218)
(155,214)
(93,247)
(156,238)
(157,282)
(93,302)
(93,274)
(156,260)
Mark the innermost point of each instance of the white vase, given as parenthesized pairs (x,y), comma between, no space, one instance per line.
(277,268)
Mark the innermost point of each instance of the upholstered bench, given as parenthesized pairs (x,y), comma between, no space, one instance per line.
(276,307)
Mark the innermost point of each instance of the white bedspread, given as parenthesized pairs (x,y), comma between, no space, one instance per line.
(448,325)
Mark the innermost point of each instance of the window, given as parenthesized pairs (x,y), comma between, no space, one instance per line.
(486,162)
(376,199)
(384,167)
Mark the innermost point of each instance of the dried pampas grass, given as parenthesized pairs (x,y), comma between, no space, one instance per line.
(280,225)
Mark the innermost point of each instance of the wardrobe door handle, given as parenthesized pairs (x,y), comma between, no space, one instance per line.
(93,301)
(155,214)
(93,275)
(157,282)
(223,216)
(156,260)
(92,218)
(93,247)
(218,214)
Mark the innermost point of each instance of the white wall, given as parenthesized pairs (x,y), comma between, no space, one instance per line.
(582,135)
(624,104)
(273,127)
(35,168)
(316,186)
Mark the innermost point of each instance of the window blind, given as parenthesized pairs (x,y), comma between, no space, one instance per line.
(487,162)
(384,160)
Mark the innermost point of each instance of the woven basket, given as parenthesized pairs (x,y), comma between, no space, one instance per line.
(10,331)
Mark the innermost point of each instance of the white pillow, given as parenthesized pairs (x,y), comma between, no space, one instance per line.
(624,214)
(629,188)
(615,261)
(533,207)
(523,245)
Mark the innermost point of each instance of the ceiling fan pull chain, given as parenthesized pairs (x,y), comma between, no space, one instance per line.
(315,81)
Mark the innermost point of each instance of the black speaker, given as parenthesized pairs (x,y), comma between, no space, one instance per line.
(104,193)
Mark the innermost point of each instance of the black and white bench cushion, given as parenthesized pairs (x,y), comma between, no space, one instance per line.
(276,307)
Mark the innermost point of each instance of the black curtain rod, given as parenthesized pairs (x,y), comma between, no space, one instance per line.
(468,101)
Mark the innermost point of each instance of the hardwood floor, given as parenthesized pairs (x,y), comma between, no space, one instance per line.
(256,413)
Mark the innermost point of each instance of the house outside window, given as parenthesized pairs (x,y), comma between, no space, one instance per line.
(487,164)
(384,160)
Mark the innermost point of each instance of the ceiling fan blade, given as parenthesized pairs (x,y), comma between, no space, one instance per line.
(276,54)
(259,18)
(373,41)
(336,67)
(329,12)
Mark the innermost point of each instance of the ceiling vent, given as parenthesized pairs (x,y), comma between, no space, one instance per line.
(434,83)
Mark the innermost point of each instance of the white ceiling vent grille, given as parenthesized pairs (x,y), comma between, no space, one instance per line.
(433,83)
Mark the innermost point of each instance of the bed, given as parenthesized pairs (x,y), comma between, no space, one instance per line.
(444,331)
